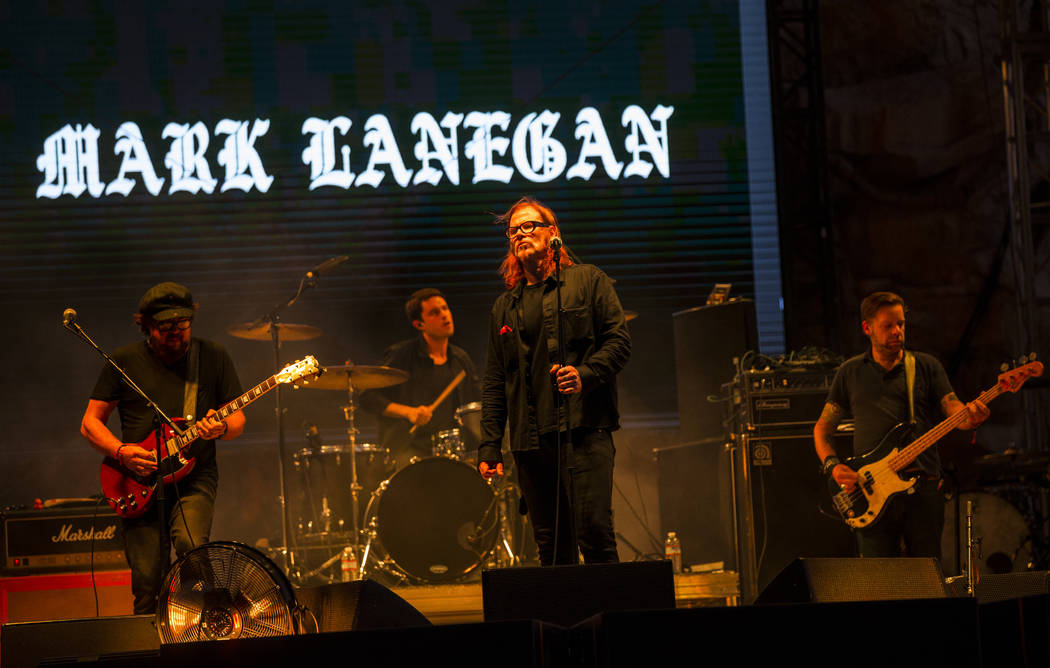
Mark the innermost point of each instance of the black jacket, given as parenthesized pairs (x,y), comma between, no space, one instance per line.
(597,343)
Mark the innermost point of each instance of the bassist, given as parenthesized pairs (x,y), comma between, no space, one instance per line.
(160,365)
(873,388)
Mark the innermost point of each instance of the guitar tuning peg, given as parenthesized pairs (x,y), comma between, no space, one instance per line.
(1031,356)
(1004,367)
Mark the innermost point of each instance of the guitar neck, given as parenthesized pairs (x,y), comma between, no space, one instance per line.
(192,433)
(908,454)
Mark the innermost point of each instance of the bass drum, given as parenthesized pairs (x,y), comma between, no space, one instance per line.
(1005,539)
(436,519)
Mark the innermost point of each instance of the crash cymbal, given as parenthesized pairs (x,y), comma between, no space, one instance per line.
(363,377)
(630,315)
(288,331)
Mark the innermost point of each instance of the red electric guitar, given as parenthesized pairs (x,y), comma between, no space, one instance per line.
(130,495)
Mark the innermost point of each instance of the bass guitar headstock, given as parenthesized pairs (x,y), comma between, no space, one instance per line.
(1011,380)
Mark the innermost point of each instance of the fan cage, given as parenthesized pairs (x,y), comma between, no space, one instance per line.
(222,591)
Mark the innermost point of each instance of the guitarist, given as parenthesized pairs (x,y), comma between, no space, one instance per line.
(160,365)
(873,388)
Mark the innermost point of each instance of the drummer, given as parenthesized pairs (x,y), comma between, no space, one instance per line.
(432,363)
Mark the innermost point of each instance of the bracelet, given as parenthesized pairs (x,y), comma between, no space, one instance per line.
(117,455)
(829,465)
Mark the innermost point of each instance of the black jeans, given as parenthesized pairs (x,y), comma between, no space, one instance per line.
(916,518)
(148,549)
(593,452)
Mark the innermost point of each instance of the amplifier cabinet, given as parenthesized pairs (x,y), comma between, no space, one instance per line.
(60,539)
(781,401)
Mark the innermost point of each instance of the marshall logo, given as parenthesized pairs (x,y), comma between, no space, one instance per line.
(67,535)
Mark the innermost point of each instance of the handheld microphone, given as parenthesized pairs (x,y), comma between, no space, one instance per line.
(69,317)
(327,266)
(555,243)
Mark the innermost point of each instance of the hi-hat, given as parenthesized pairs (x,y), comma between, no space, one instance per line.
(287,331)
(362,377)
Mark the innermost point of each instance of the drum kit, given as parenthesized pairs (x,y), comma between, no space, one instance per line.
(434,521)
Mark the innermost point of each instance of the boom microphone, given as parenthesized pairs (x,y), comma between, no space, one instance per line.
(69,316)
(327,266)
(555,243)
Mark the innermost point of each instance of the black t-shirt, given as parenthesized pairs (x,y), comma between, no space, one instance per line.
(217,385)
(878,400)
(533,338)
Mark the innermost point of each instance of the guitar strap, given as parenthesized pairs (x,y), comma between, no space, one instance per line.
(909,377)
(189,397)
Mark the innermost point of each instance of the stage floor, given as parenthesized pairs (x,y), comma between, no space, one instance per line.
(29,598)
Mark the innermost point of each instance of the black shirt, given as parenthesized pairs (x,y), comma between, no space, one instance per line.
(426,381)
(534,341)
(878,400)
(217,385)
(597,343)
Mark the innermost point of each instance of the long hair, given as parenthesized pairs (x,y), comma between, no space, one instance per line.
(510,269)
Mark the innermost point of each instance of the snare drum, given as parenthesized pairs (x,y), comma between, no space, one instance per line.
(436,519)
(447,443)
(325,476)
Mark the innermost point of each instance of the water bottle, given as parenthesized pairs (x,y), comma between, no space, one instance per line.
(673,551)
(348,564)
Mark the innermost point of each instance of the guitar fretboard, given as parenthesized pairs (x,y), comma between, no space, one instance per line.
(908,454)
(192,433)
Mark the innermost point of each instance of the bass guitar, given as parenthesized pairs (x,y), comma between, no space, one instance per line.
(130,495)
(878,470)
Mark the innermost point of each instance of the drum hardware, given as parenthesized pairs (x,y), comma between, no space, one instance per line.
(348,378)
(269,326)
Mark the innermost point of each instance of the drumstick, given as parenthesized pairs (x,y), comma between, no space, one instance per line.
(444,393)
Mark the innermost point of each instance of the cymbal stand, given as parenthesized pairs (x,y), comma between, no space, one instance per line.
(355,486)
(505,558)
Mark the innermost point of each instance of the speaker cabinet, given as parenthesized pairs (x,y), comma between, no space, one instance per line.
(358,605)
(785,509)
(30,643)
(565,595)
(706,339)
(868,579)
(696,500)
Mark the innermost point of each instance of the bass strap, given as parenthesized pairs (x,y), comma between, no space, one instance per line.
(909,377)
(189,397)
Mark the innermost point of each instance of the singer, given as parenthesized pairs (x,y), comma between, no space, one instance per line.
(522,377)
(166,365)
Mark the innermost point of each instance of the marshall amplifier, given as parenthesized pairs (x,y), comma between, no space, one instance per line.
(60,539)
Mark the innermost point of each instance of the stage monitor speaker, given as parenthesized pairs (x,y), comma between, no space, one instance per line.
(358,605)
(867,579)
(565,595)
(1003,586)
(30,643)
(706,339)
(787,511)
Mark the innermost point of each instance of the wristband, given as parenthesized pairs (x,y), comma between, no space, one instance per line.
(117,455)
(829,465)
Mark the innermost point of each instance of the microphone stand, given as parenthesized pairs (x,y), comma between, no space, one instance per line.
(273,318)
(563,402)
(159,420)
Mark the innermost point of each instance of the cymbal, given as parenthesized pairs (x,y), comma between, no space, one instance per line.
(630,315)
(288,331)
(363,377)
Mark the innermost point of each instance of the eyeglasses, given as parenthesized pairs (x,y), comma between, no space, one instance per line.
(526,228)
(168,325)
